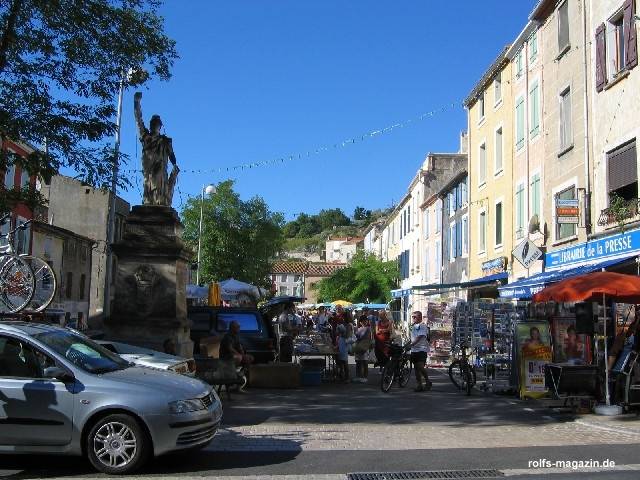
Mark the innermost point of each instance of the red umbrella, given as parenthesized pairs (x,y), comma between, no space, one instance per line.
(591,286)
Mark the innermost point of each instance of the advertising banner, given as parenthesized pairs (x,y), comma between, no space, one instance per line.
(569,347)
(534,352)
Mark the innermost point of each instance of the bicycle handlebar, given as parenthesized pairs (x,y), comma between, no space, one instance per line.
(19,227)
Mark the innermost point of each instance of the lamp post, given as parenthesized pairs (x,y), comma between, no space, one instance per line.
(209,190)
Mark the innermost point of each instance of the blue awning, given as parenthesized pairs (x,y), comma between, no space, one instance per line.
(527,287)
(477,282)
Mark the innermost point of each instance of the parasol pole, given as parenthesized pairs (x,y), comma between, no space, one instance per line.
(606,355)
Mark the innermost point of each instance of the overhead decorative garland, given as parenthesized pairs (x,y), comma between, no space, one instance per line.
(320,150)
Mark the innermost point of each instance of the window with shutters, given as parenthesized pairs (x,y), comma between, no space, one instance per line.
(69,285)
(427,262)
(465,235)
(622,172)
(464,188)
(565,230)
(566,134)
(519,64)
(438,263)
(83,280)
(9,177)
(452,242)
(497,88)
(534,109)
(482,232)
(481,111)
(535,195)
(498,225)
(482,164)
(458,238)
(439,216)
(426,223)
(533,46)
(520,123)
(520,210)
(563,28)
(615,45)
(498,151)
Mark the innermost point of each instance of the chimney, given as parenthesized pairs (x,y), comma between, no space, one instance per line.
(464,142)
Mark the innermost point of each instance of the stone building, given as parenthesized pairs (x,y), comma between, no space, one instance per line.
(84,210)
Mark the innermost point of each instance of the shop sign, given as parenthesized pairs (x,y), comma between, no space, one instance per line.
(526,253)
(497,265)
(606,248)
(567,210)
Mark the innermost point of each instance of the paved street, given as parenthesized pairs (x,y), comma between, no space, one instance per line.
(326,432)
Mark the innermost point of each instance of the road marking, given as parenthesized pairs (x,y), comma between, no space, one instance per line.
(527,409)
(617,429)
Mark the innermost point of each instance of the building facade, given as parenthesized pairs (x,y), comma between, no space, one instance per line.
(86,216)
(490,167)
(69,256)
(616,126)
(301,278)
(342,249)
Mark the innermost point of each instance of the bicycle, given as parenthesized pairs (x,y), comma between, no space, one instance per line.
(461,372)
(17,280)
(397,367)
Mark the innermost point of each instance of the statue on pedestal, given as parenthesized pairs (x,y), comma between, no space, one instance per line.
(157,151)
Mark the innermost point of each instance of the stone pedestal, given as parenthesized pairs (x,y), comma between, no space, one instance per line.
(150,304)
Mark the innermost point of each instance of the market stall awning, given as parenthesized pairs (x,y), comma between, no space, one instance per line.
(527,287)
(477,282)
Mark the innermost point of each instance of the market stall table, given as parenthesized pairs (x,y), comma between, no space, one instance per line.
(318,346)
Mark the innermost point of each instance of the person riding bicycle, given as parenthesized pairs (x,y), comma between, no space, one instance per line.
(419,349)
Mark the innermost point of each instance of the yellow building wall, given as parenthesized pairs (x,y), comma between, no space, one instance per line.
(498,184)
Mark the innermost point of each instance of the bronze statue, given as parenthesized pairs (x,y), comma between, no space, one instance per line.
(156,151)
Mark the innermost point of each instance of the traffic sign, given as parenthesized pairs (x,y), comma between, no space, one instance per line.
(526,253)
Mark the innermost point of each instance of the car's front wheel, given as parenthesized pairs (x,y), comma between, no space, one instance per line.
(117,445)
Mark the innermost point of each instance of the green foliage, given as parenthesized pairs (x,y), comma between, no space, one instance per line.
(61,62)
(360,213)
(305,225)
(239,239)
(332,218)
(366,279)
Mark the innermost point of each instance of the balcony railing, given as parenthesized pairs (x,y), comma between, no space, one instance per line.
(623,211)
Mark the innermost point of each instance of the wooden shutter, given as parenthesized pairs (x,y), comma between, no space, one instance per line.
(459,238)
(622,166)
(630,37)
(601,58)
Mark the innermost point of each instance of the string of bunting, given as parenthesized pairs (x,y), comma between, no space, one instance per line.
(319,150)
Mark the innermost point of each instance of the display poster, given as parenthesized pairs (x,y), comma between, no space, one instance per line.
(534,352)
(569,347)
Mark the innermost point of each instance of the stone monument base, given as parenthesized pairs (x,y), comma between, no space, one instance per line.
(150,304)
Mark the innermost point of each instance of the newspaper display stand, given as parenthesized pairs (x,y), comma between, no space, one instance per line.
(440,318)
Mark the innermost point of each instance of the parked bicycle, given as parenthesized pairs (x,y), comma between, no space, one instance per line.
(17,280)
(461,372)
(397,367)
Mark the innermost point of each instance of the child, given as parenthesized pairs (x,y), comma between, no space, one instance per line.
(344,341)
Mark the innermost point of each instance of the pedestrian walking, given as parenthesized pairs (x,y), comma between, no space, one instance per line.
(383,334)
(419,351)
(344,339)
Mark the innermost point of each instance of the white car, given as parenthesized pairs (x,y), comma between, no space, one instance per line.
(146,357)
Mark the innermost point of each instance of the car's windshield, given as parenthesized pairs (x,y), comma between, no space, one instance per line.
(82,352)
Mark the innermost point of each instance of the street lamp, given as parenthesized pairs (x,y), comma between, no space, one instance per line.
(209,190)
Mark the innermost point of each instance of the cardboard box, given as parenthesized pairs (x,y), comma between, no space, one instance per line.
(210,346)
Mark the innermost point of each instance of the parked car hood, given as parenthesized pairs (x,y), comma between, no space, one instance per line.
(154,361)
(173,384)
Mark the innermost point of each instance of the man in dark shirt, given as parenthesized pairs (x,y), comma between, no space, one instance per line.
(232,349)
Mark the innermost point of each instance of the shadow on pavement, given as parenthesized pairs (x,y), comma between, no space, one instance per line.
(368,405)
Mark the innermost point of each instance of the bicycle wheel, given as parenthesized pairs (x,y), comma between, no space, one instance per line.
(455,374)
(405,373)
(46,283)
(388,375)
(17,284)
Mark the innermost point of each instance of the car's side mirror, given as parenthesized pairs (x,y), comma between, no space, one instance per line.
(58,373)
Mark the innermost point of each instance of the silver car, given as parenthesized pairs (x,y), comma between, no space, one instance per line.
(61,392)
(145,357)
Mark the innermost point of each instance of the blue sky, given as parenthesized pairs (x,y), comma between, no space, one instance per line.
(265,79)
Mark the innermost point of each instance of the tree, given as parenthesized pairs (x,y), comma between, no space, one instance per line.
(360,213)
(332,218)
(365,279)
(239,238)
(61,63)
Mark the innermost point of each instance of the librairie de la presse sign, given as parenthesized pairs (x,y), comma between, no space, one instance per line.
(602,249)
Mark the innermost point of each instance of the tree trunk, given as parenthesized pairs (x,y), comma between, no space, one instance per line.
(8,36)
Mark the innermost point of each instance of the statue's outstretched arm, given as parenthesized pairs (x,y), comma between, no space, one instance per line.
(137,109)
